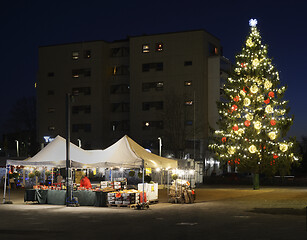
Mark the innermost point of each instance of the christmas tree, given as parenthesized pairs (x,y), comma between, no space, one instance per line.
(253,123)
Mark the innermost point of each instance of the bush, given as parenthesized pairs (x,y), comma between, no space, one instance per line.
(37,173)
(31,175)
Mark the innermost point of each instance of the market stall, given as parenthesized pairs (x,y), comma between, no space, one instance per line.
(123,154)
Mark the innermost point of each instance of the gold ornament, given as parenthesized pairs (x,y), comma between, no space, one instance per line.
(249,117)
(252,149)
(268,109)
(267,84)
(242,93)
(238,115)
(279,91)
(240,131)
(256,62)
(272,135)
(257,125)
(231,150)
(283,147)
(249,42)
(260,98)
(254,89)
(258,81)
(246,102)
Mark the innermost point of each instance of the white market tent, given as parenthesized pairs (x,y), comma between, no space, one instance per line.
(124,153)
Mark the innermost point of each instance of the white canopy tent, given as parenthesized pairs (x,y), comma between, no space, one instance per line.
(124,153)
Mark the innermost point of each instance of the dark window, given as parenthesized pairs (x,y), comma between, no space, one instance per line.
(120,107)
(188,83)
(75,55)
(81,127)
(121,70)
(187,63)
(152,105)
(158,86)
(76,73)
(83,108)
(87,54)
(51,74)
(159,47)
(83,90)
(145,48)
(120,52)
(119,89)
(51,128)
(51,110)
(152,125)
(157,66)
(213,50)
(50,92)
(188,122)
(119,125)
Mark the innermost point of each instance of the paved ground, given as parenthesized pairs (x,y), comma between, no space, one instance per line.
(219,213)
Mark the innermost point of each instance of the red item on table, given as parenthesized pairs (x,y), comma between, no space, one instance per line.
(85,182)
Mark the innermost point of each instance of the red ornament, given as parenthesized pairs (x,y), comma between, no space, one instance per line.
(243,65)
(271,94)
(235,127)
(267,101)
(275,156)
(273,122)
(264,147)
(234,107)
(247,123)
(244,89)
(223,139)
(236,98)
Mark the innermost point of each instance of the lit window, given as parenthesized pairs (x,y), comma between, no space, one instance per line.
(147,124)
(145,48)
(51,128)
(75,55)
(188,103)
(188,83)
(159,47)
(187,63)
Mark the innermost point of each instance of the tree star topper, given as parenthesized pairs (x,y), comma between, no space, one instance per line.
(253,22)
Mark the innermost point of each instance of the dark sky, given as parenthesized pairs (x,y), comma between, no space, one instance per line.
(26,25)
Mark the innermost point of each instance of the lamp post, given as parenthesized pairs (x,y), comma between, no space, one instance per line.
(17,147)
(160,146)
(69,182)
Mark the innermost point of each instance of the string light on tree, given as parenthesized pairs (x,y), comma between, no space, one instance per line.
(252,113)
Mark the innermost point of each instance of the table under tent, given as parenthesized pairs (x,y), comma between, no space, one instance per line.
(124,154)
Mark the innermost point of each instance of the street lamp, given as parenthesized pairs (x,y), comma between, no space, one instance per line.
(160,146)
(69,182)
(79,142)
(17,147)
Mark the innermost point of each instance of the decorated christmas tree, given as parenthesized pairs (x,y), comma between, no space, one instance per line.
(251,134)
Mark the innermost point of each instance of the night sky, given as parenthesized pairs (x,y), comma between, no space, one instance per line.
(26,25)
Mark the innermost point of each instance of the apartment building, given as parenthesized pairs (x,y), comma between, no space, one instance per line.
(150,86)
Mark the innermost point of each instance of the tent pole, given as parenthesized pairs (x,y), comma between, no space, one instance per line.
(5,180)
(68,161)
(52,173)
(143,179)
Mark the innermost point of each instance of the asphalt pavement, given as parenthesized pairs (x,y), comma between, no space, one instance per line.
(219,213)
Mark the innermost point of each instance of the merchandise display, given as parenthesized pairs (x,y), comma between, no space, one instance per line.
(181,192)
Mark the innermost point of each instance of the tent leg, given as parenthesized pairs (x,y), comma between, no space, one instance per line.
(4,186)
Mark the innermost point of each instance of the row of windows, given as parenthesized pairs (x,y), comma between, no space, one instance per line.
(76,54)
(123,125)
(158,66)
(76,73)
(146,47)
(121,107)
(79,90)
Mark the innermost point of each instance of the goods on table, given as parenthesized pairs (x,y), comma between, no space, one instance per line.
(181,192)
(125,197)
(117,185)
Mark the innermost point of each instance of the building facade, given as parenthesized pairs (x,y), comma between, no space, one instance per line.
(149,87)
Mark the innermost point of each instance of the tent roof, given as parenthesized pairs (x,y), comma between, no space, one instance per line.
(124,153)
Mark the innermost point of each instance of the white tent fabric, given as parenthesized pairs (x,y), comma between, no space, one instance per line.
(124,153)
